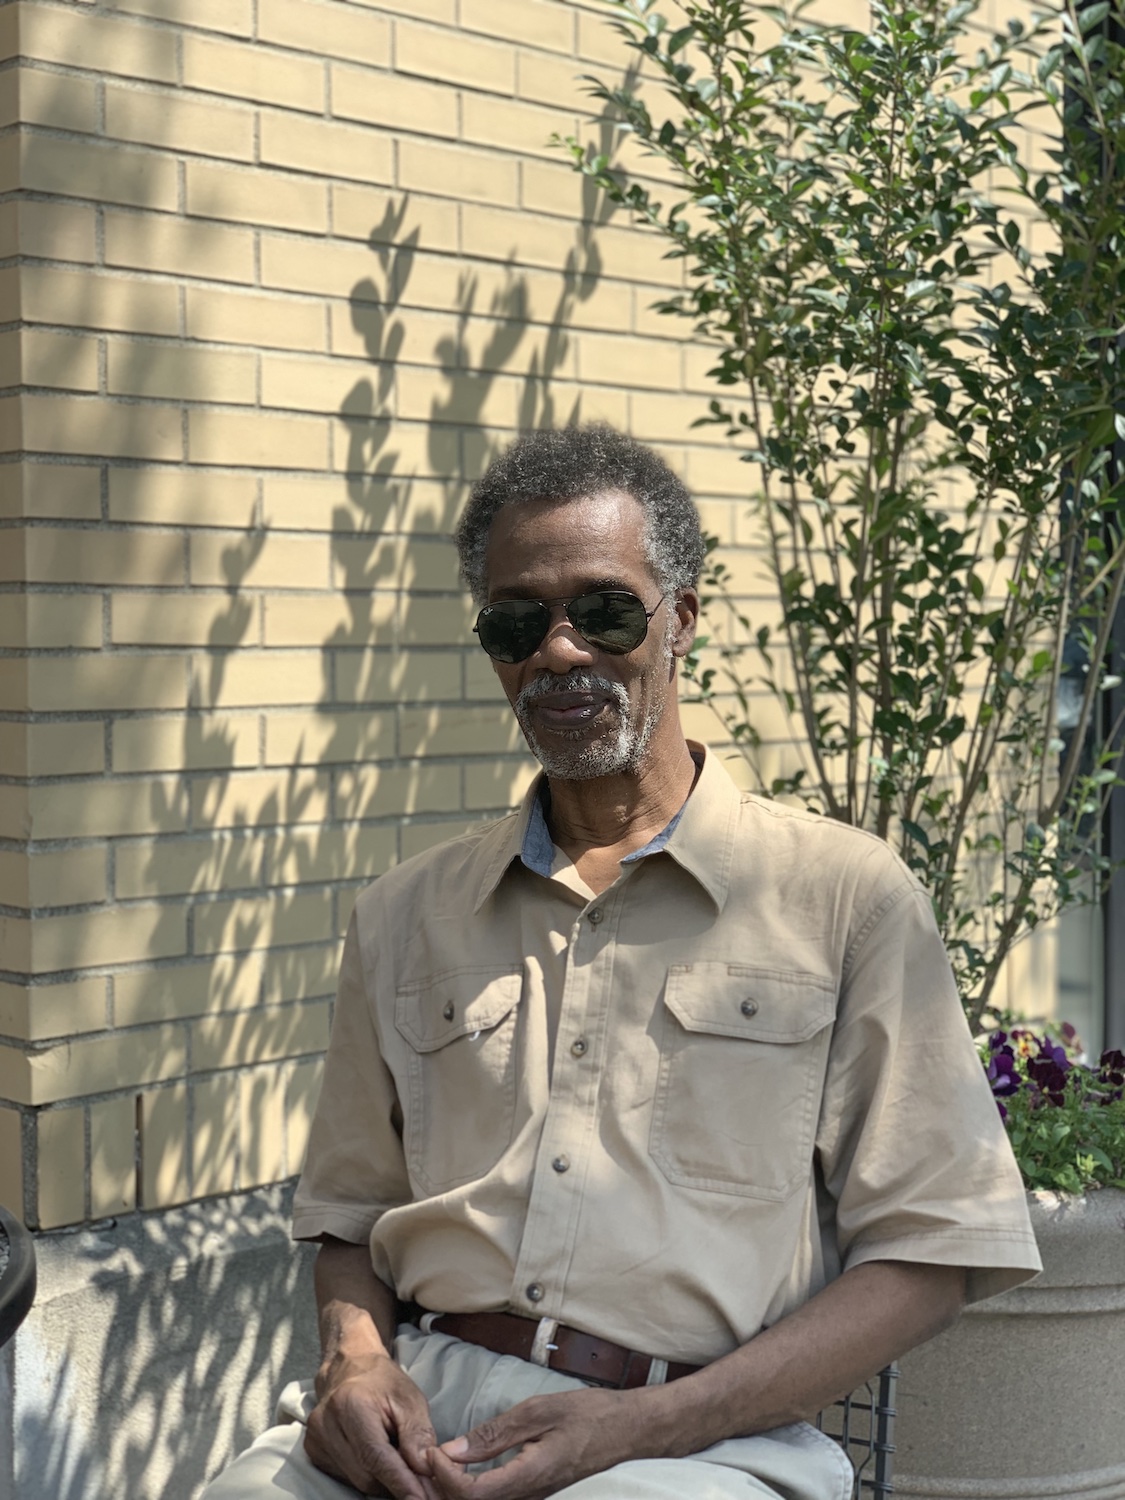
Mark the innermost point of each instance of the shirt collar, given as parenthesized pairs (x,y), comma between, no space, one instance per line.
(700,838)
(537,851)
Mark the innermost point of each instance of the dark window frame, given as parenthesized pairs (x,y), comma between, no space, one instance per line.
(1111,710)
(1113,827)
(1113,900)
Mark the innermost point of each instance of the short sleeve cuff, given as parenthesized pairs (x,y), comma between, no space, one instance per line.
(312,1220)
(995,1260)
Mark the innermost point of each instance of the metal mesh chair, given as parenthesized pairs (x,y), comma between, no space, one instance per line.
(864,1426)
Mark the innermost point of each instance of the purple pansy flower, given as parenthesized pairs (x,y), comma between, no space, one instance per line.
(1001,1071)
(1048,1077)
(1111,1070)
(1051,1051)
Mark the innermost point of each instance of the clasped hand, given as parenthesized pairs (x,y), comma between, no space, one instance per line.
(372,1428)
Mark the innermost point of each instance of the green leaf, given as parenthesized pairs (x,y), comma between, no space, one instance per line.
(1049,63)
(1090,16)
(916,832)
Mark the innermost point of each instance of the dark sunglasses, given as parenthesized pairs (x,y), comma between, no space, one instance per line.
(610,619)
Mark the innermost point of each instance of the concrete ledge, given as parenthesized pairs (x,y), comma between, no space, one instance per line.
(155,1350)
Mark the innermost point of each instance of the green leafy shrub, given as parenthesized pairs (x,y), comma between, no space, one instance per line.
(918,354)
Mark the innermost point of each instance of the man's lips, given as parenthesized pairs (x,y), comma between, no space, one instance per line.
(566,710)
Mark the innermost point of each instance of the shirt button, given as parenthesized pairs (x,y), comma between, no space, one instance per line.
(595,916)
(561,1164)
(535,1292)
(578,1047)
(749,1007)
(448,1012)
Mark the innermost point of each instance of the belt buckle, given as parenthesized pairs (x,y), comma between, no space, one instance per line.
(543,1343)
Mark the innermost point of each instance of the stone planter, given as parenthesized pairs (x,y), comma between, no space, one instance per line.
(1024,1398)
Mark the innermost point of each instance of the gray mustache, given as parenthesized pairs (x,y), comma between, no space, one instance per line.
(571,682)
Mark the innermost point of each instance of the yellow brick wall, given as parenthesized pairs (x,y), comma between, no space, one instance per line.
(278,277)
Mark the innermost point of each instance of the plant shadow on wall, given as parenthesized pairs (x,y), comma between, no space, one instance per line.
(116,1369)
(497,371)
(278,841)
(908,245)
(353,783)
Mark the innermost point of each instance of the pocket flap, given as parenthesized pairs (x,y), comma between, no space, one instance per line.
(435,1011)
(760,1005)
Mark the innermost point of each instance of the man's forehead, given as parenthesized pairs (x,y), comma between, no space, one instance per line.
(600,536)
(545,506)
(609,521)
(607,513)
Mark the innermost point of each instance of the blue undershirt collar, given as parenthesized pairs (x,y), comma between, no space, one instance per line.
(538,851)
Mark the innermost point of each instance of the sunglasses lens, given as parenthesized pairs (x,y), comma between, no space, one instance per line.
(613,621)
(511,629)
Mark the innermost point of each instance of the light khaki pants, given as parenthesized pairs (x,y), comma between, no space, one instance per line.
(466,1385)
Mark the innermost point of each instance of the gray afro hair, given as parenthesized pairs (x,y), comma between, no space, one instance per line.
(568,463)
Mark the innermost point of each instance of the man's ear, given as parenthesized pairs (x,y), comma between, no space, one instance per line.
(686,610)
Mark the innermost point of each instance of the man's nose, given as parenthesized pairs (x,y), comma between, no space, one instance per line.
(562,648)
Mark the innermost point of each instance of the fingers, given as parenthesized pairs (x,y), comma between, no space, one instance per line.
(408,1414)
(371,1467)
(562,1438)
(371,1470)
(416,1441)
(496,1436)
(354,1438)
(521,1479)
(453,1481)
(527,1476)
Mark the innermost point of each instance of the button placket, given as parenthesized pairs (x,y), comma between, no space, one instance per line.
(546,1248)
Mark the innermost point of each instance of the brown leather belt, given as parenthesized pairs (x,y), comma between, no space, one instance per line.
(568,1351)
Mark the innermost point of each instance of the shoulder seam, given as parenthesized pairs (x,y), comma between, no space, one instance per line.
(890,900)
(776,809)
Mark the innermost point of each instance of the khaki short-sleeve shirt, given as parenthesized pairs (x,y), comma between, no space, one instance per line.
(667,1114)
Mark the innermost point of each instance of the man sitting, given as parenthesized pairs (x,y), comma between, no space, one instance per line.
(630,1094)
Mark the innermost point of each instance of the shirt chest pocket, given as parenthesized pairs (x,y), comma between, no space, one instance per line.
(742,1060)
(460,1087)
